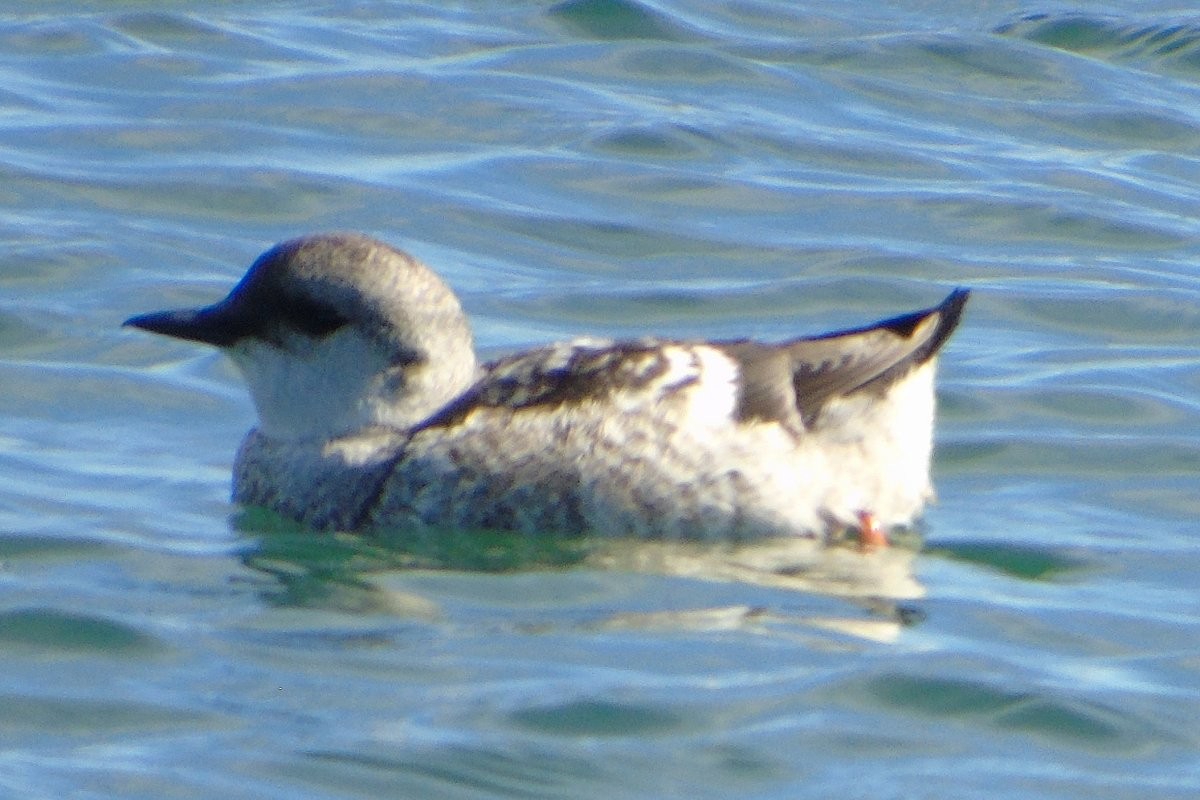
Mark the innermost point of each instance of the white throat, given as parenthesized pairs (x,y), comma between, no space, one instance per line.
(324,388)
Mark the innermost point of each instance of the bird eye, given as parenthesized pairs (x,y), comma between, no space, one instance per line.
(312,319)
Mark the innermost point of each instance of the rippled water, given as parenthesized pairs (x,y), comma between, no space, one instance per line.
(608,167)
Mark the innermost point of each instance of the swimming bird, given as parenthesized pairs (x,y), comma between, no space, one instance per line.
(374,412)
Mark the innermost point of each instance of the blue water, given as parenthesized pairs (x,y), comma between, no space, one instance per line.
(618,168)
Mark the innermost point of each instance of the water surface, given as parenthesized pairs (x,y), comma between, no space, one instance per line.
(616,168)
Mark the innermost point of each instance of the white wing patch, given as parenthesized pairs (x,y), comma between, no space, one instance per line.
(711,379)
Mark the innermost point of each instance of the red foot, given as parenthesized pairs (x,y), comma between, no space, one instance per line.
(871,535)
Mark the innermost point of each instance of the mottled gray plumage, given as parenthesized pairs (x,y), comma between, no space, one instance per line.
(374,412)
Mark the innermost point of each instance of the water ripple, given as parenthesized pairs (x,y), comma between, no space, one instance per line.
(613,167)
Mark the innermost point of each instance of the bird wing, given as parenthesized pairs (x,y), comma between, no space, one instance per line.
(573,372)
(790,382)
(800,377)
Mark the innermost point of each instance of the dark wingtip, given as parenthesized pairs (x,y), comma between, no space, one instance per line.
(952,307)
(950,312)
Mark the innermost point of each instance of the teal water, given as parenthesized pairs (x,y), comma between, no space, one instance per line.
(618,168)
